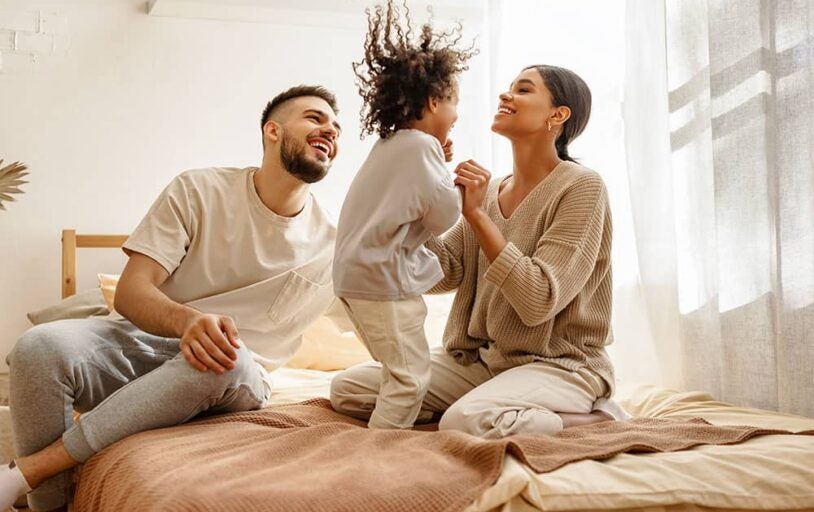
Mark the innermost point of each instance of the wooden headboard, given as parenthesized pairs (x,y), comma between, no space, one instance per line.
(70,242)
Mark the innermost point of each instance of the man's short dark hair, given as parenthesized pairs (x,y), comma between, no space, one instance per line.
(297,92)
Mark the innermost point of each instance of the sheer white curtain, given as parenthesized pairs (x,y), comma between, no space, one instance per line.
(719,132)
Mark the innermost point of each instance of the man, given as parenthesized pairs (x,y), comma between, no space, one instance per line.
(225,271)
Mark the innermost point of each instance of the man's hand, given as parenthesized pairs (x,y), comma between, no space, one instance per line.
(447,147)
(209,343)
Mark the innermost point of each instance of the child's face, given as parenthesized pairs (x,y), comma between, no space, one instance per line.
(447,114)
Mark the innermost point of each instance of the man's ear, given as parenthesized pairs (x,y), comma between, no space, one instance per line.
(272,131)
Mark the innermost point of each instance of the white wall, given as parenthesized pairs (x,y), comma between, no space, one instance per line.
(105,104)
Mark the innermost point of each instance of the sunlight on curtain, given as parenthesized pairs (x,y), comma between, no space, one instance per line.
(722,111)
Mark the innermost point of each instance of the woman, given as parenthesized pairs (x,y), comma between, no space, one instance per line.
(530,260)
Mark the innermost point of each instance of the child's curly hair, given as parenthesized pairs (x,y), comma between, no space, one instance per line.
(397,76)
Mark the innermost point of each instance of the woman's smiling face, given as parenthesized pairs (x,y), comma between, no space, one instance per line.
(525,108)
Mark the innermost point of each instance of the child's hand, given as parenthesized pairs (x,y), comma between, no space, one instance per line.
(447,147)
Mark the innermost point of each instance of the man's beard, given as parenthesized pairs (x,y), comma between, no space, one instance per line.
(297,163)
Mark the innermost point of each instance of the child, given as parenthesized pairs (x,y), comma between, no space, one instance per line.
(401,196)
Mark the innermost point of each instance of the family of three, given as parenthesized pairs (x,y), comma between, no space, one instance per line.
(229,266)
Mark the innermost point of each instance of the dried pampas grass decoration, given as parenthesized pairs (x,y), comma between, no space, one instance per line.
(11,177)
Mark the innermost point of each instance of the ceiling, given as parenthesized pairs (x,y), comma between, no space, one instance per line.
(319,12)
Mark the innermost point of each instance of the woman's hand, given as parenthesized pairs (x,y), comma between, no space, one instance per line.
(447,147)
(474,179)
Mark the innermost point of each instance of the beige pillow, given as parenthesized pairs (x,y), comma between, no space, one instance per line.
(330,343)
(107,283)
(82,305)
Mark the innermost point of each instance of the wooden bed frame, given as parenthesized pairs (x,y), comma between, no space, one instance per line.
(70,242)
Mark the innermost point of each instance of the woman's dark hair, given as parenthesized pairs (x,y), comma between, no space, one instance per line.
(397,76)
(568,90)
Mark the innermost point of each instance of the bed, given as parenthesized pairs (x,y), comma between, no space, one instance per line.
(765,472)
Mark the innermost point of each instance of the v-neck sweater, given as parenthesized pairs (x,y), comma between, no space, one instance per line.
(548,295)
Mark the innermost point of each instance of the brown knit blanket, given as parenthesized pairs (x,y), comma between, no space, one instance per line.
(306,457)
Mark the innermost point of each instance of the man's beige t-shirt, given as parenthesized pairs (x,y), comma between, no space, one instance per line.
(227,253)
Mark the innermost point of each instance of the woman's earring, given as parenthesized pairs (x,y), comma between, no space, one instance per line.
(549,126)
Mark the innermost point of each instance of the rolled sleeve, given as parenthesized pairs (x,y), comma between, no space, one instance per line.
(500,269)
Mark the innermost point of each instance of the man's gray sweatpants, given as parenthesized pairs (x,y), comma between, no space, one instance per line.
(121,379)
